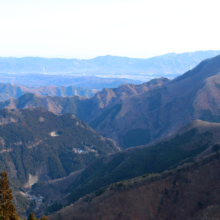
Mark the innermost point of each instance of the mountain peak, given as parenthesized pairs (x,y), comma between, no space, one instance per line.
(205,69)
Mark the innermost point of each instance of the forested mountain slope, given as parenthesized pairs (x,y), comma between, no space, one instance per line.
(195,140)
(133,115)
(36,142)
(190,192)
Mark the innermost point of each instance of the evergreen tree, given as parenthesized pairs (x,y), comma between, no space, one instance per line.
(7,208)
(31,216)
(44,218)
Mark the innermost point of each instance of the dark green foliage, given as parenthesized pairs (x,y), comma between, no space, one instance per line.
(53,208)
(136,137)
(130,164)
(100,191)
(55,167)
(22,204)
(120,184)
(30,144)
(32,216)
(7,208)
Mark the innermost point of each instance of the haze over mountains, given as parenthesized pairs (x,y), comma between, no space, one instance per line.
(8,91)
(135,115)
(153,127)
(168,65)
(88,82)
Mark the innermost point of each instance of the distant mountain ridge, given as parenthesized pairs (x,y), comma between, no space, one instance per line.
(39,80)
(86,109)
(145,119)
(168,65)
(8,91)
(135,115)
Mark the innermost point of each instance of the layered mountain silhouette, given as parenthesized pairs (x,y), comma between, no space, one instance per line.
(42,80)
(166,65)
(86,109)
(162,125)
(194,141)
(136,115)
(157,113)
(8,91)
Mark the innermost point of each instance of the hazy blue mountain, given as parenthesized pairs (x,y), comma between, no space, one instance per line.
(88,82)
(169,65)
(8,91)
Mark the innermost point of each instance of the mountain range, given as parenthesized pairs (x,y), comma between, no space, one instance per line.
(134,115)
(37,145)
(164,139)
(157,113)
(39,80)
(168,65)
(195,141)
(9,91)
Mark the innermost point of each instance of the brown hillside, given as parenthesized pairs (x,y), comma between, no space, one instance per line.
(194,141)
(191,192)
(159,112)
(135,115)
(85,109)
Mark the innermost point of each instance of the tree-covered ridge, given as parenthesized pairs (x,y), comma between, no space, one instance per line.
(196,139)
(34,141)
(189,192)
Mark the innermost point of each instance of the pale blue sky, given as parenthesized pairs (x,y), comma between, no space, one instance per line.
(90,28)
